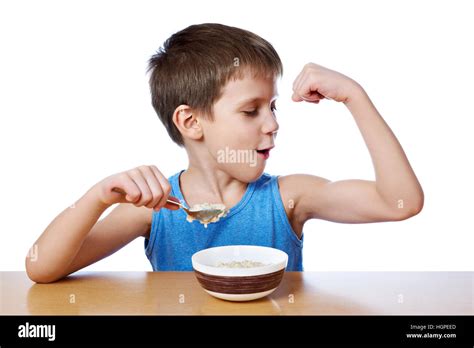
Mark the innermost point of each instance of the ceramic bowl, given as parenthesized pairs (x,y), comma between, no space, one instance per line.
(219,271)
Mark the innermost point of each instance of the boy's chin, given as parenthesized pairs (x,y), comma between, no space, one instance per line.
(246,173)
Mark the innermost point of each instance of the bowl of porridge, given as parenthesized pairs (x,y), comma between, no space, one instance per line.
(239,272)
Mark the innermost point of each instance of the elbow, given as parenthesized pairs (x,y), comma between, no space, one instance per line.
(419,206)
(418,203)
(34,274)
(409,213)
(40,278)
(412,209)
(37,274)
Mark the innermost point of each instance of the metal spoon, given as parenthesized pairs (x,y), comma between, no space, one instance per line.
(205,216)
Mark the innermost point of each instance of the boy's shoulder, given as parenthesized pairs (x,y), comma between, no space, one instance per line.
(298,184)
(286,186)
(294,190)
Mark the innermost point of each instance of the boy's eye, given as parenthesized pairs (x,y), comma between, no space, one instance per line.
(274,109)
(251,112)
(254,112)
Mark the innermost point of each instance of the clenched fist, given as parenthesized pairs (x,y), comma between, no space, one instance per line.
(316,82)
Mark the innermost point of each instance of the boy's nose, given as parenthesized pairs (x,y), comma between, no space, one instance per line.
(271,125)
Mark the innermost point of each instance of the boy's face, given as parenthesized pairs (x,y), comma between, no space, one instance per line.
(244,122)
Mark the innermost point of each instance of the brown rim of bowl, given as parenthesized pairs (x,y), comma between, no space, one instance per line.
(240,284)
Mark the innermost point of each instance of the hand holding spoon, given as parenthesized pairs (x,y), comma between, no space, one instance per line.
(205,213)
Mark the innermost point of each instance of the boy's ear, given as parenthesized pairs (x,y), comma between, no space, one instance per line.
(187,122)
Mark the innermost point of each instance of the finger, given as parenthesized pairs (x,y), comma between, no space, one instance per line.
(312,97)
(165,185)
(296,98)
(300,85)
(126,188)
(321,96)
(308,91)
(172,206)
(146,195)
(297,88)
(302,91)
(154,186)
(297,79)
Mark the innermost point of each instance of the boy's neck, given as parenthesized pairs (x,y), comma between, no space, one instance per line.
(207,184)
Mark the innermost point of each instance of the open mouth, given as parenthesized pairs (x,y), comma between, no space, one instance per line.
(265,153)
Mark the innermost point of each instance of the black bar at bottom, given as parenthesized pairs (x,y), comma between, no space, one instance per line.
(451,331)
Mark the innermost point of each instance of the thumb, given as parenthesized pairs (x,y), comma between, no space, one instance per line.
(296,98)
(172,206)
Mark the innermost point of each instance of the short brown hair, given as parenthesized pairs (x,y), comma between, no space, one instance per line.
(195,63)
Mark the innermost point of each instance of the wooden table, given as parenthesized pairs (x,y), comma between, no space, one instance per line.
(179,293)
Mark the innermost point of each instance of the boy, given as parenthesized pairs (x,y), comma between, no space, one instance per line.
(214,89)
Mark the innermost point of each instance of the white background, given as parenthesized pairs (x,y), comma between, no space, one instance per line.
(75,108)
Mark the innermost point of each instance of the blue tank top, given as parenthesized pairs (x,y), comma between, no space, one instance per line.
(258,219)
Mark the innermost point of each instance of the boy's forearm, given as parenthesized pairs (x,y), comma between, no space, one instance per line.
(57,247)
(395,180)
